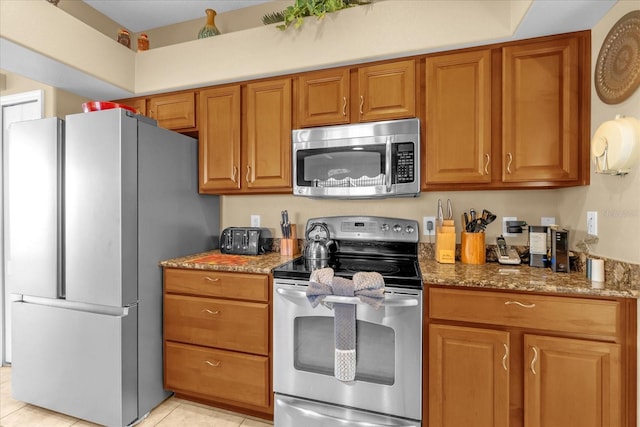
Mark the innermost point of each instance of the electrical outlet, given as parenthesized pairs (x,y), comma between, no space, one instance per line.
(547,220)
(592,223)
(255,220)
(505,233)
(425,225)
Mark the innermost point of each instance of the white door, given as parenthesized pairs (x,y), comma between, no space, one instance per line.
(15,108)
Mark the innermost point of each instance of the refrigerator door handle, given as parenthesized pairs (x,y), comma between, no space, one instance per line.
(79,306)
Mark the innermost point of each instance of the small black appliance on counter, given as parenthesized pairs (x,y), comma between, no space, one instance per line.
(245,240)
(560,260)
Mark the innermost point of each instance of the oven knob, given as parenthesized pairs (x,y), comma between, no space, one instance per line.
(384,227)
(397,228)
(409,229)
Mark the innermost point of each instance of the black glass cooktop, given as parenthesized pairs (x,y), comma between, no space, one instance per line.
(399,272)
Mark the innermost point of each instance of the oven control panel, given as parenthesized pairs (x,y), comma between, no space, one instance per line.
(368,228)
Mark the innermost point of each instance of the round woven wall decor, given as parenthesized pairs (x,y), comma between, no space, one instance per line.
(617,73)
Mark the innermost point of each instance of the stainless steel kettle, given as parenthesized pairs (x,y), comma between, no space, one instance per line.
(318,247)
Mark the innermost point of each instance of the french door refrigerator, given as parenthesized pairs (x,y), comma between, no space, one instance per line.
(92,204)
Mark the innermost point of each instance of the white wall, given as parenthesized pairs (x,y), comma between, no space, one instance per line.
(616,199)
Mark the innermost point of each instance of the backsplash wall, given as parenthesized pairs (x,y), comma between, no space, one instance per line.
(527,205)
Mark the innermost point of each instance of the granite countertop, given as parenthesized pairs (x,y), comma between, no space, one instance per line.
(493,275)
(215,260)
(487,276)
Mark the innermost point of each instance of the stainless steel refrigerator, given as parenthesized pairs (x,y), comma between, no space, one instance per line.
(92,204)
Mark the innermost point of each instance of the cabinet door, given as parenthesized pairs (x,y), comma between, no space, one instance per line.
(175,111)
(540,118)
(267,143)
(571,382)
(219,148)
(458,126)
(468,377)
(323,98)
(386,91)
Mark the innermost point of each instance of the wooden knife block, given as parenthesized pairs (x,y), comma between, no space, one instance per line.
(289,247)
(446,242)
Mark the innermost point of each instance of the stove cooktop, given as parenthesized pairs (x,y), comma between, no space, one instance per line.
(397,272)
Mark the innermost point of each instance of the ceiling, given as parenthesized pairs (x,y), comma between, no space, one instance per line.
(143,15)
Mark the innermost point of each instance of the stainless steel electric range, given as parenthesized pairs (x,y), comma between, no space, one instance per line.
(387,385)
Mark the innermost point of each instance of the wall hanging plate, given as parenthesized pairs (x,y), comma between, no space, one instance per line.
(617,73)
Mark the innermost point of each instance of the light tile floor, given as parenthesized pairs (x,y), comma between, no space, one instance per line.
(173,412)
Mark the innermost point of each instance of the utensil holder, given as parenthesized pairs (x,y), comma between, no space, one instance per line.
(446,242)
(289,247)
(472,248)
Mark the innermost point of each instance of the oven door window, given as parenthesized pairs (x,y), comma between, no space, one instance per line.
(314,346)
(350,166)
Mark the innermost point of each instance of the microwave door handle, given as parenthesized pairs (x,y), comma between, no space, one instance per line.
(387,168)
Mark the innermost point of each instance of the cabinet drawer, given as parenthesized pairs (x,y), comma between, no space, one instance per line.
(217,373)
(565,314)
(232,325)
(254,287)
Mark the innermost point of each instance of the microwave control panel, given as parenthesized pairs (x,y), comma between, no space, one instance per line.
(404,159)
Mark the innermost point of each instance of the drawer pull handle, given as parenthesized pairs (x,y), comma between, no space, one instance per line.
(344,106)
(505,357)
(520,304)
(361,104)
(534,360)
(510,157)
(211,279)
(486,165)
(206,310)
(215,364)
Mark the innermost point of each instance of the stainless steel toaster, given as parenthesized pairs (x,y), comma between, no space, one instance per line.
(245,240)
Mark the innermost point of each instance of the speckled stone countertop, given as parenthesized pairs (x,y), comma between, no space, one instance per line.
(493,275)
(488,276)
(214,260)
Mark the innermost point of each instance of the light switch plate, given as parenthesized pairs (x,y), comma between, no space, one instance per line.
(255,220)
(592,223)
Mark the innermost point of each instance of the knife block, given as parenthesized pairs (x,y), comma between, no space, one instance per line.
(446,242)
(289,247)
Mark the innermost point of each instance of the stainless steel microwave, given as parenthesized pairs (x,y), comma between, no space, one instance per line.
(364,160)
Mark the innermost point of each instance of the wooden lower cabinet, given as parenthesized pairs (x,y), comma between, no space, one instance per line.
(571,382)
(502,359)
(217,339)
(468,377)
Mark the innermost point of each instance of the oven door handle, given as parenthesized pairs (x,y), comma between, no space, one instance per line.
(388,302)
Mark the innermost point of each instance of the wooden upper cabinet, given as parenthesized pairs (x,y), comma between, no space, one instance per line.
(386,91)
(540,111)
(219,147)
(174,111)
(323,98)
(266,149)
(572,382)
(458,118)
